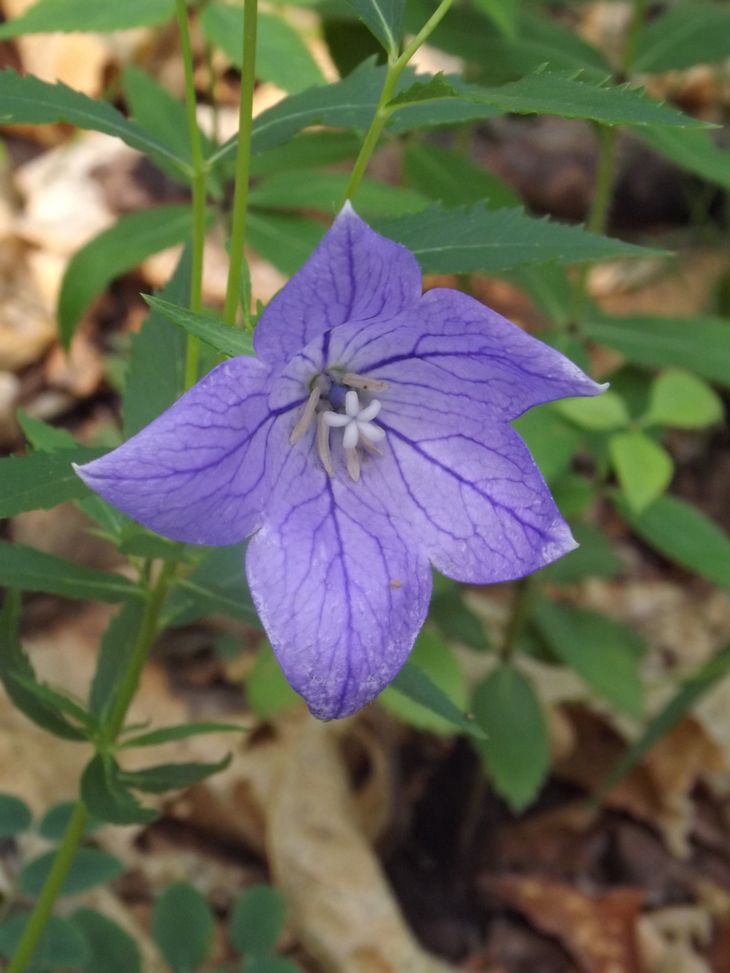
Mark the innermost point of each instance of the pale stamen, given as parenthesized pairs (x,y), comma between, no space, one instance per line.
(306,418)
(363,383)
(323,443)
(352,461)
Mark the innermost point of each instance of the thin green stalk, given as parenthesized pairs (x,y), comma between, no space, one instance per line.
(525,594)
(51,889)
(75,830)
(198,181)
(243,161)
(395,70)
(638,15)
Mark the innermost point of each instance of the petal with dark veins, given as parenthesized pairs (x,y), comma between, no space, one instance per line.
(354,274)
(340,588)
(202,471)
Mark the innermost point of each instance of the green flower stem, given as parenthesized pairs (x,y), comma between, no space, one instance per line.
(51,889)
(396,67)
(526,593)
(198,185)
(606,167)
(243,161)
(79,819)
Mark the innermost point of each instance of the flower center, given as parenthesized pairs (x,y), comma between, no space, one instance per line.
(341,391)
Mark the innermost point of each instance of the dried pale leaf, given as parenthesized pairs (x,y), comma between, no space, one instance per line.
(27,325)
(598,930)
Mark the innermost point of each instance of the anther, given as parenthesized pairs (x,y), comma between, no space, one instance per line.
(306,418)
(363,383)
(323,443)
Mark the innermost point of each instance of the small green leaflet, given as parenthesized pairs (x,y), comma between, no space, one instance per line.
(47,16)
(418,687)
(257,921)
(701,344)
(33,570)
(183,927)
(15,816)
(384,19)
(604,653)
(90,867)
(168,777)
(166,734)
(684,535)
(210,329)
(124,245)
(61,946)
(465,239)
(28,100)
(515,750)
(643,466)
(679,398)
(111,948)
(42,480)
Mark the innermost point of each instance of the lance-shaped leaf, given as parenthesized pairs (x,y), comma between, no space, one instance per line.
(32,570)
(40,481)
(691,149)
(131,240)
(687,34)
(47,16)
(169,777)
(209,328)
(413,683)
(26,100)
(461,240)
(384,19)
(107,798)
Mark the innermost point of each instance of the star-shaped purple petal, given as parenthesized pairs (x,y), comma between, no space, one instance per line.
(369,440)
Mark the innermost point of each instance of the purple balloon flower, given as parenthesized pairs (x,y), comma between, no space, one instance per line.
(367,441)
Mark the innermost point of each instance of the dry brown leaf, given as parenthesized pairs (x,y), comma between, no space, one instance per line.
(27,325)
(598,930)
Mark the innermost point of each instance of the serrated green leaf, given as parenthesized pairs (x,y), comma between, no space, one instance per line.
(282,57)
(435,88)
(16,673)
(110,947)
(31,570)
(449,178)
(26,100)
(15,816)
(267,691)
(155,376)
(685,35)
(684,535)
(166,734)
(257,921)
(39,481)
(131,240)
(680,399)
(515,749)
(701,344)
(604,653)
(643,467)
(46,16)
(90,867)
(384,19)
(556,93)
(413,683)
(170,777)
(61,945)
(106,798)
(326,190)
(601,413)
(182,925)
(43,436)
(462,240)
(436,660)
(209,328)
